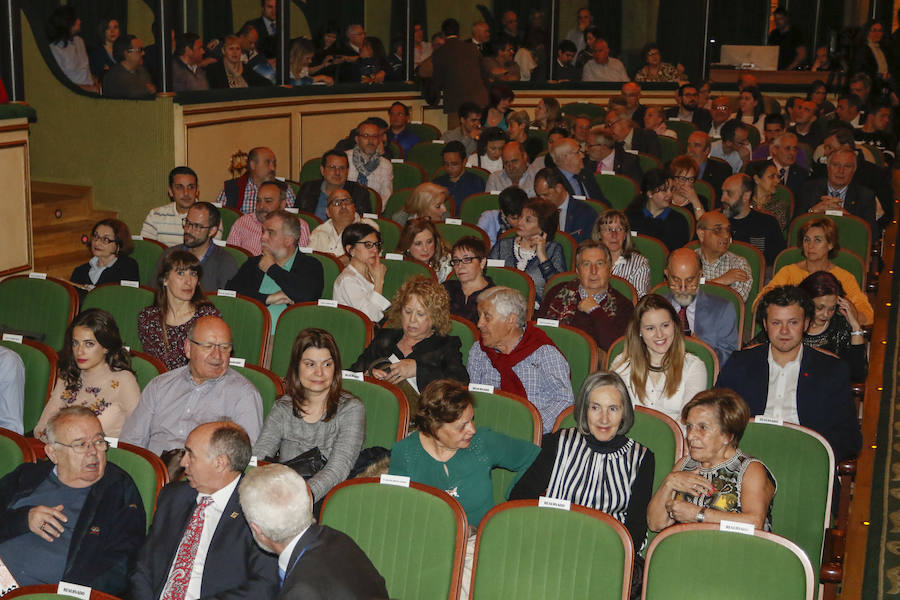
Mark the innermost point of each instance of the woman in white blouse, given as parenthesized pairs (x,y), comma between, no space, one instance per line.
(654,365)
(361,283)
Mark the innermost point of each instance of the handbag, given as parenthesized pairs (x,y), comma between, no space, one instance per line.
(308,463)
(412,396)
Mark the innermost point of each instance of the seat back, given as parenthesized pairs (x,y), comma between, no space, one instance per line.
(415,536)
(123,303)
(648,162)
(387,410)
(398,271)
(38,306)
(397,200)
(619,190)
(579,348)
(467,334)
(510,415)
(784,194)
(311,170)
(14,450)
(683,129)
(250,323)
(40,375)
(390,233)
(517,280)
(845,259)
(670,147)
(47,591)
(312,221)
(451,233)
(583,109)
(757,269)
(269,385)
(424,131)
(853,233)
(656,254)
(240,255)
(352,330)
(229,216)
(146,253)
(529,552)
(146,469)
(331,268)
(407,174)
(476,204)
(145,367)
(802,463)
(720,291)
(428,155)
(706,192)
(771,566)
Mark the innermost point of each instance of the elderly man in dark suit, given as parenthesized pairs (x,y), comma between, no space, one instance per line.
(199,545)
(314,561)
(603,154)
(785,380)
(839,192)
(714,172)
(577,216)
(568,160)
(632,138)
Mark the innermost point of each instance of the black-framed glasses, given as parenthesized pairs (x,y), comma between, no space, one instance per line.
(339,202)
(191,225)
(226,347)
(685,178)
(466,260)
(370,245)
(105,240)
(82,446)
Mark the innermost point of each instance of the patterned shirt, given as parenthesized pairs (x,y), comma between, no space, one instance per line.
(247,233)
(635,270)
(249,203)
(163,224)
(726,262)
(171,351)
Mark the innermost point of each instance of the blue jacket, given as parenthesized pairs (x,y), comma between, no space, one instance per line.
(714,323)
(580,218)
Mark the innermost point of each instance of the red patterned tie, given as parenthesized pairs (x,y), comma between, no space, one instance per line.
(682,316)
(187,551)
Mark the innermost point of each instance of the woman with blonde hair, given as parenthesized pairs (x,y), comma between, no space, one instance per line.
(427,201)
(658,371)
(421,240)
(301,57)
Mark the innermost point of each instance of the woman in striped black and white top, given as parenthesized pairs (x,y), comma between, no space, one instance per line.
(595,464)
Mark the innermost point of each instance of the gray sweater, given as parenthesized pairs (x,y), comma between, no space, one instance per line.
(340,439)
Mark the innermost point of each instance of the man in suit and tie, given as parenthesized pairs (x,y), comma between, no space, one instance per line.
(568,160)
(631,137)
(603,154)
(199,544)
(713,172)
(784,152)
(314,561)
(576,217)
(784,379)
(839,192)
(709,318)
(688,110)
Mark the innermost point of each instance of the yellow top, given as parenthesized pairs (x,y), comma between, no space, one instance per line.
(794,274)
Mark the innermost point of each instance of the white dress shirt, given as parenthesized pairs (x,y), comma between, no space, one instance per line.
(781,401)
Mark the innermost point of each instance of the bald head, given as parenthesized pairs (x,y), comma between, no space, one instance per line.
(683,275)
(714,233)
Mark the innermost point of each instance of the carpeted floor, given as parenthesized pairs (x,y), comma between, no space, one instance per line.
(882,574)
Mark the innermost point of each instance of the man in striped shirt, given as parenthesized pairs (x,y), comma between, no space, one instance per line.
(163,223)
(247,230)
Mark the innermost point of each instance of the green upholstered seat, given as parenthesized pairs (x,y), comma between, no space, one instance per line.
(475,205)
(123,303)
(331,268)
(40,375)
(407,174)
(250,324)
(428,155)
(146,469)
(145,367)
(619,190)
(399,271)
(655,252)
(579,349)
(266,383)
(14,450)
(42,307)
(387,410)
(146,253)
(229,216)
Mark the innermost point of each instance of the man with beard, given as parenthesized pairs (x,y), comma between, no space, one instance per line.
(720,265)
(201,224)
(247,230)
(281,275)
(240,193)
(367,166)
(759,229)
(688,109)
(708,317)
(515,171)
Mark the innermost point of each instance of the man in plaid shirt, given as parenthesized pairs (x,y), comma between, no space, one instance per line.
(240,193)
(720,265)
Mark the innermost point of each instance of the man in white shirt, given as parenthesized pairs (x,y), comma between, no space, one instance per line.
(515,171)
(734,147)
(341,212)
(576,34)
(179,560)
(313,561)
(602,67)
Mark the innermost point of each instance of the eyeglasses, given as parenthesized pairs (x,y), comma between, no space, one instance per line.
(82,446)
(209,346)
(720,108)
(718,230)
(685,178)
(466,260)
(341,202)
(103,239)
(336,167)
(609,229)
(370,245)
(191,225)
(141,50)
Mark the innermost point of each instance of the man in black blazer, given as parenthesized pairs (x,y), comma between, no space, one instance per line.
(603,154)
(233,566)
(712,171)
(296,277)
(839,192)
(568,162)
(632,138)
(821,398)
(579,217)
(314,561)
(784,156)
(688,109)
(313,195)
(266,27)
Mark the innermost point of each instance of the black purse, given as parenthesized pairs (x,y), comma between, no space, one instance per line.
(307,464)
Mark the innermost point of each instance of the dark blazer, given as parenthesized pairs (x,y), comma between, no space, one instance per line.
(458,73)
(107,536)
(714,323)
(646,141)
(303,283)
(235,566)
(125,268)
(674,231)
(638,115)
(624,163)
(715,174)
(215,75)
(308,196)
(436,356)
(859,200)
(586,177)
(580,219)
(701,117)
(797,177)
(327,564)
(266,43)
(824,401)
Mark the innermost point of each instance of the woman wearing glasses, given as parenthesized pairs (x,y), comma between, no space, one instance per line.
(361,283)
(178,303)
(94,372)
(612,228)
(468,262)
(110,244)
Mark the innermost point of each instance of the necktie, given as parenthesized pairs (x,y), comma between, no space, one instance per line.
(782,172)
(682,316)
(187,552)
(281,575)
(580,185)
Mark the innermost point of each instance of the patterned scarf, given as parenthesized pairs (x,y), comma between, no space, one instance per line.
(363,166)
(532,339)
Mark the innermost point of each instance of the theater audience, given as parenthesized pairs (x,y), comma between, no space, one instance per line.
(684,176)
(576,216)
(427,201)
(303,72)
(240,193)
(614,231)
(341,213)
(733,147)
(247,231)
(604,155)
(469,261)
(421,240)
(399,130)
(655,69)
(110,245)
(751,109)
(588,302)
(361,282)
(498,62)
(313,195)
(315,413)
(231,72)
(547,114)
(766,180)
(651,213)
(496,222)
(368,166)
(94,371)
(515,171)
(721,265)
(759,229)
(128,78)
(716,481)
(630,136)
(458,74)
(164,223)
(602,67)
(488,151)
(714,172)
(654,365)
(68,48)
(469,128)
(841,190)
(459,182)
(188,73)
(517,357)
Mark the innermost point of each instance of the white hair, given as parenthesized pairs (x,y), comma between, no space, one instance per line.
(275,497)
(506,301)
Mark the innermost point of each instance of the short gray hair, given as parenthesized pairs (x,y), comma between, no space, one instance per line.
(290,223)
(68,412)
(591,383)
(602,136)
(506,301)
(563,148)
(230,440)
(780,138)
(275,497)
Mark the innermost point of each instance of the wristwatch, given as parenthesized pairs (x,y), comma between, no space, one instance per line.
(701,514)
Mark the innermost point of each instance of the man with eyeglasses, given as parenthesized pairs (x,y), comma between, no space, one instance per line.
(74,518)
(605,156)
(734,147)
(341,212)
(204,390)
(247,231)
(688,108)
(367,166)
(281,275)
(515,172)
(201,226)
(568,162)
(163,223)
(721,265)
(631,138)
(128,78)
(313,194)
(709,318)
(240,193)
